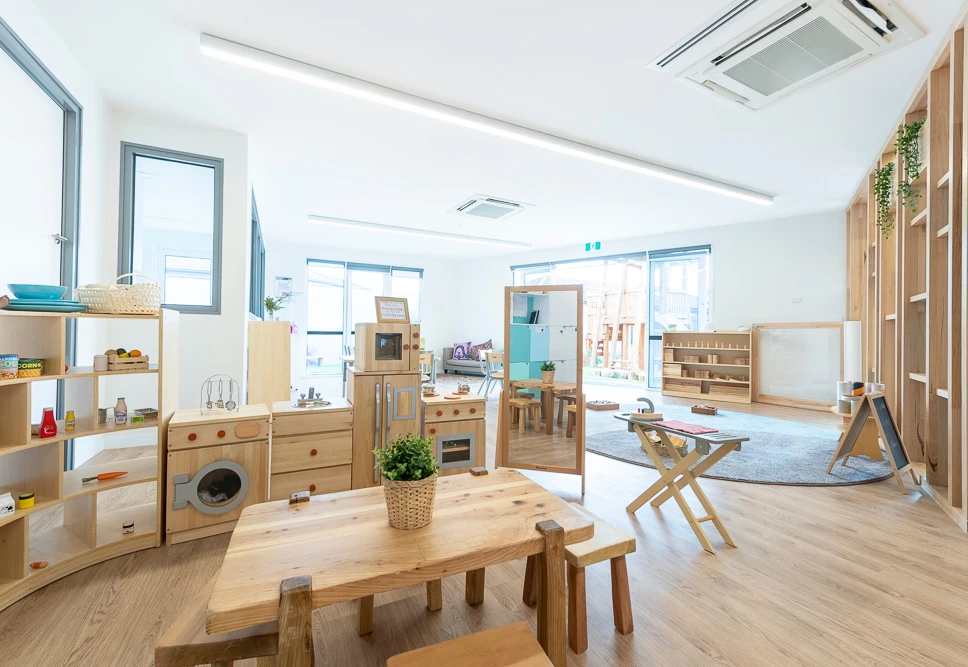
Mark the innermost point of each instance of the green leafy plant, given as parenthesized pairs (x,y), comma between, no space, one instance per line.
(408,458)
(883,189)
(548,366)
(273,304)
(908,147)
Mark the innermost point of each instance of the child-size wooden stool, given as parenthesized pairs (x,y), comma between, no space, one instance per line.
(572,417)
(523,407)
(564,400)
(611,544)
(506,646)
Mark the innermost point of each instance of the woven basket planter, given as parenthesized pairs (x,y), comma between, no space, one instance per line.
(410,504)
(548,377)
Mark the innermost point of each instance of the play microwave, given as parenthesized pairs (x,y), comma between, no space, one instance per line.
(385,348)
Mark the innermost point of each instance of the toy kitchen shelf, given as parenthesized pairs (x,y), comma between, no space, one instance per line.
(73,525)
(715,366)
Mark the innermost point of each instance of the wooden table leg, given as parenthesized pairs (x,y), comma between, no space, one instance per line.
(621,597)
(435,595)
(296,622)
(577,613)
(550,564)
(364,615)
(474,587)
(548,399)
(529,594)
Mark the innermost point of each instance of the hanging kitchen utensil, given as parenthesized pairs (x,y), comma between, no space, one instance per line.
(208,404)
(220,404)
(230,404)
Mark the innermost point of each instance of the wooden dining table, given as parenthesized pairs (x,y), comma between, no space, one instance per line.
(548,393)
(285,559)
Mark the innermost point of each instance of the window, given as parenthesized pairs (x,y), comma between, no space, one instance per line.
(340,295)
(257,266)
(171,225)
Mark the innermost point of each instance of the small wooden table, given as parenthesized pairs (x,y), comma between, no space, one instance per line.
(866,444)
(686,472)
(548,393)
(344,545)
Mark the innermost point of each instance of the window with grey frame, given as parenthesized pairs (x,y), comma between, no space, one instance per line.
(171,225)
(257,266)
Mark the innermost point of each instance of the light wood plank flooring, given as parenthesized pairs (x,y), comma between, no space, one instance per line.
(857,575)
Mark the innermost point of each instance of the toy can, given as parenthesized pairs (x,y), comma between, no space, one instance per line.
(30,368)
(8,366)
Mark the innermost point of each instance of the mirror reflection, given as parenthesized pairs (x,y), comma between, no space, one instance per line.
(541,367)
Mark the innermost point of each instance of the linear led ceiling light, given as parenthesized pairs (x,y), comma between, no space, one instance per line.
(323,78)
(393,229)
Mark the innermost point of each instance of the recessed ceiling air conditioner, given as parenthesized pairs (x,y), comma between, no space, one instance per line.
(757,51)
(491,208)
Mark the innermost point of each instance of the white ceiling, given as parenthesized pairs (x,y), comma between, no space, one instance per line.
(564,67)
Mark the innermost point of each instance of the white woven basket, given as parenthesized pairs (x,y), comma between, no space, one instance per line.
(138,299)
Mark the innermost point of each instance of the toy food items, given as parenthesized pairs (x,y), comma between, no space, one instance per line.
(100,363)
(7,504)
(69,421)
(48,426)
(30,368)
(135,353)
(137,418)
(127,528)
(110,353)
(121,412)
(102,477)
(121,351)
(8,366)
(39,565)
(25,501)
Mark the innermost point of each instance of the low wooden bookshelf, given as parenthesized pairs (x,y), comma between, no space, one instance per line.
(708,366)
(73,525)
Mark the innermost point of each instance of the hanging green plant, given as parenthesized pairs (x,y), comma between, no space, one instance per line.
(883,189)
(908,147)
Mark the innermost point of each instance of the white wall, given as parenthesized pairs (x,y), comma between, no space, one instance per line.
(758,269)
(94,253)
(439,295)
(209,343)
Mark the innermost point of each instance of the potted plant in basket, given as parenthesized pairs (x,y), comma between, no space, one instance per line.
(548,372)
(409,470)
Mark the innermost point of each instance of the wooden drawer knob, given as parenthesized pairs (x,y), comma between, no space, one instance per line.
(312,487)
(312,452)
(473,411)
(416,334)
(432,431)
(221,434)
(248,430)
(456,411)
(192,437)
(406,346)
(440,413)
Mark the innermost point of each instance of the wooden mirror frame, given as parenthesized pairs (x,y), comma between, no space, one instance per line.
(502,455)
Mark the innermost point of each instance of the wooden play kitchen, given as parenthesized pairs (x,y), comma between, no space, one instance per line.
(684,473)
(312,448)
(716,365)
(69,524)
(456,424)
(286,559)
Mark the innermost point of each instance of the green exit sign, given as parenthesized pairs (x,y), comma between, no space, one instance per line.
(594,245)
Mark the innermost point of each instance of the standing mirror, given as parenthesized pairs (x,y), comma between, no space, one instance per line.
(541,424)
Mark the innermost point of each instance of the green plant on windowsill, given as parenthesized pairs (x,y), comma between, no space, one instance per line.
(908,147)
(274,304)
(408,458)
(883,190)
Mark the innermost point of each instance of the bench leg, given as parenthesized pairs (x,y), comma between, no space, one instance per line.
(435,595)
(530,593)
(537,419)
(561,411)
(296,622)
(621,600)
(364,615)
(474,587)
(570,428)
(522,418)
(577,618)
(550,565)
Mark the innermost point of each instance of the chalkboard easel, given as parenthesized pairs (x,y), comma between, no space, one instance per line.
(876,404)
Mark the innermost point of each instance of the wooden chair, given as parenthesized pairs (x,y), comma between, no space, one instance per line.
(507,646)
(611,544)
(564,400)
(186,644)
(524,407)
(572,418)
(490,361)
(427,368)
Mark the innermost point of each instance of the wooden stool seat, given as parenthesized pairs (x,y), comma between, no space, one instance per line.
(564,400)
(609,543)
(572,416)
(507,646)
(521,408)
(186,644)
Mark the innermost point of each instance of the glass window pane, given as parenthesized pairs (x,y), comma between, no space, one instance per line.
(188,280)
(174,216)
(407,287)
(325,293)
(365,285)
(322,354)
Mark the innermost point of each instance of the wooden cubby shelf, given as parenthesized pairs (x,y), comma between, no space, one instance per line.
(942,393)
(943,181)
(73,525)
(943,231)
(734,385)
(919,218)
(919,297)
(918,377)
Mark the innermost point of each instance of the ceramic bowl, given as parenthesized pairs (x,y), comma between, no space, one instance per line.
(50,292)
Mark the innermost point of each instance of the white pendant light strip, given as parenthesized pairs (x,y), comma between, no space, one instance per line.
(294,70)
(409,231)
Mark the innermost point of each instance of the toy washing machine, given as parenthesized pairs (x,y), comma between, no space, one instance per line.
(218,464)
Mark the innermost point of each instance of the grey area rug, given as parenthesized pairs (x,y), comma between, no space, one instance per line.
(768,458)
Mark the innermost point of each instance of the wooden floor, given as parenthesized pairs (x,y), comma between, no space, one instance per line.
(856,575)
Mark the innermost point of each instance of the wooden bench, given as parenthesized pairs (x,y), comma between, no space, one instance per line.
(609,543)
(186,644)
(507,646)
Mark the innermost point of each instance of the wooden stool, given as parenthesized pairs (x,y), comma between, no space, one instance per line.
(564,400)
(186,644)
(524,406)
(572,417)
(611,544)
(507,646)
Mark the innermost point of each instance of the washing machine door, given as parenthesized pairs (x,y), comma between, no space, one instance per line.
(216,488)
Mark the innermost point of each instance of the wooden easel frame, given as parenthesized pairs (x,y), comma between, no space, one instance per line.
(845,447)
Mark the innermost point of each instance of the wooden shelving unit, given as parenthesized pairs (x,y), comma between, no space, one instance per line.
(74,525)
(679,376)
(917,272)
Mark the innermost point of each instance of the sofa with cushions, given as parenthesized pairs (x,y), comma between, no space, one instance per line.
(469,364)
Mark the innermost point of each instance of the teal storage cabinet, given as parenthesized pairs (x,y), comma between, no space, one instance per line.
(540,343)
(520,371)
(520,344)
(535,370)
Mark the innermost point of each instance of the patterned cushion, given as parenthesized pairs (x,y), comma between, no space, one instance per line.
(475,351)
(462,352)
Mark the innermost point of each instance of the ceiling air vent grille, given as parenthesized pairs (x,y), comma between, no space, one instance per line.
(696,39)
(491,208)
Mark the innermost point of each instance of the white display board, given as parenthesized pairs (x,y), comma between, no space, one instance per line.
(799,363)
